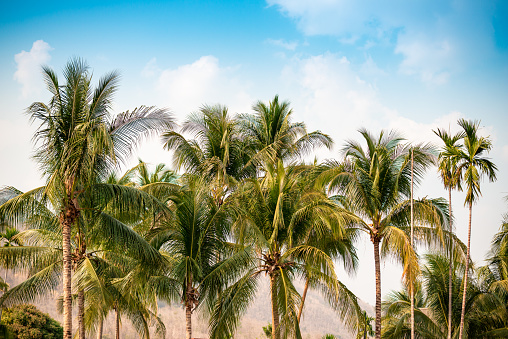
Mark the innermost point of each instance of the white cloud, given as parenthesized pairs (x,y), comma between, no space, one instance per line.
(415,131)
(190,80)
(431,60)
(28,72)
(291,46)
(184,89)
(18,167)
(203,81)
(331,96)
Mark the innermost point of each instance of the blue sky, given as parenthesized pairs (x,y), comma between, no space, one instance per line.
(411,66)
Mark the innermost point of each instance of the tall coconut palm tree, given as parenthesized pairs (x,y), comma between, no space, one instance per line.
(472,165)
(77,138)
(451,180)
(274,216)
(375,187)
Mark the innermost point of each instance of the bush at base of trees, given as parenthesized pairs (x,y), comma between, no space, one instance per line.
(27,322)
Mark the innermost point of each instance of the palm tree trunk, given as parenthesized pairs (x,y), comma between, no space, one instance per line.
(466,273)
(377,265)
(275,307)
(450,268)
(5,281)
(67,271)
(99,330)
(304,295)
(188,321)
(117,327)
(1,306)
(412,247)
(188,311)
(81,314)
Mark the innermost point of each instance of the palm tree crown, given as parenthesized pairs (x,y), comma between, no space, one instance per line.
(275,136)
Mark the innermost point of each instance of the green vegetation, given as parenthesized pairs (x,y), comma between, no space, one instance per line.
(242,205)
(27,322)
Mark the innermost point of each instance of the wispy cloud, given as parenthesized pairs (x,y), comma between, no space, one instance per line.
(290,46)
(370,68)
(28,67)
(150,69)
(436,39)
(430,60)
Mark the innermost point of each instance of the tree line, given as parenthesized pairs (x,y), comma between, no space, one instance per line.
(242,205)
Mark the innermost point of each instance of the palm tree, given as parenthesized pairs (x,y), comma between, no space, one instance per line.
(267,330)
(116,288)
(375,186)
(274,136)
(217,151)
(76,140)
(472,165)
(366,328)
(451,180)
(160,174)
(9,238)
(274,217)
(194,240)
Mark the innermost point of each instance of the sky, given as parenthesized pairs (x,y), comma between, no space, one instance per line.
(412,66)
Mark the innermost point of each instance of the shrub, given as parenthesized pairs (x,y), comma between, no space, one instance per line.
(27,322)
